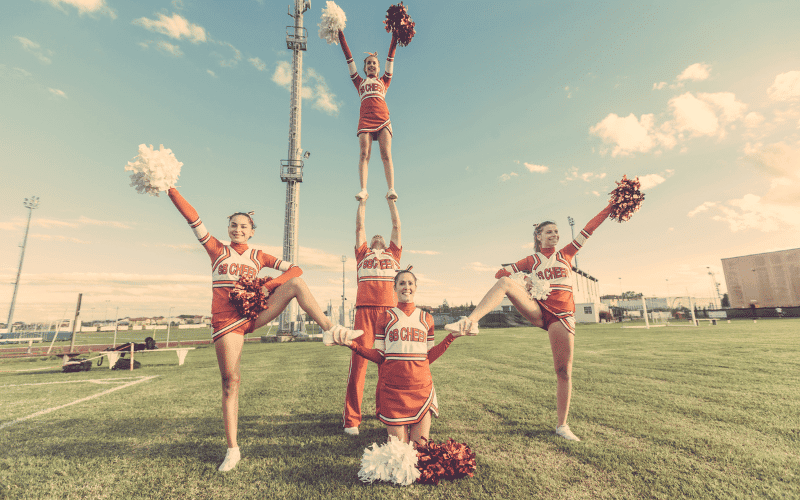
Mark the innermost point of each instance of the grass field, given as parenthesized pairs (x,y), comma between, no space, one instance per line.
(675,412)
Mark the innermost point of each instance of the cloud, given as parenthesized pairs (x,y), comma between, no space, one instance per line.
(169,48)
(35,49)
(423,252)
(786,87)
(694,115)
(573,174)
(752,212)
(702,208)
(508,177)
(650,181)
(211,73)
(231,62)
(57,92)
(176,27)
(753,119)
(110,223)
(480,268)
(315,87)
(782,162)
(696,72)
(539,169)
(629,134)
(57,237)
(85,7)
(258,63)
(659,85)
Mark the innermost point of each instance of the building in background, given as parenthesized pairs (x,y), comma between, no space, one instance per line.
(770,279)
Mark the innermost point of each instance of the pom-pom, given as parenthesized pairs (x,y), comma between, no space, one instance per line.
(394,461)
(449,460)
(331,22)
(154,171)
(536,288)
(399,24)
(248,296)
(626,199)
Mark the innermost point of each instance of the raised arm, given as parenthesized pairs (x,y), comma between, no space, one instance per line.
(351,65)
(395,222)
(389,69)
(587,231)
(210,243)
(361,232)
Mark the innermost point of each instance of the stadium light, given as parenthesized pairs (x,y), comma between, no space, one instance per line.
(31,204)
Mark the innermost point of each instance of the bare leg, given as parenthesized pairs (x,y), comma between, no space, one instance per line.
(398,431)
(421,429)
(562,343)
(229,356)
(385,143)
(365,145)
(506,287)
(280,298)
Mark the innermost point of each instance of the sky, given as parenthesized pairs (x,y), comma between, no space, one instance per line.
(504,114)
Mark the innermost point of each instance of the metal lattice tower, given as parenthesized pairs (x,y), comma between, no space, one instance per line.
(31,204)
(292,169)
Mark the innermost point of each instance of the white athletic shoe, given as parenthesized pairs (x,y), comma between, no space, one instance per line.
(332,336)
(564,432)
(392,194)
(362,195)
(463,324)
(352,431)
(231,459)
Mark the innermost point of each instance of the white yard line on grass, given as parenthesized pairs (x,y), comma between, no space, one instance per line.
(82,400)
(101,381)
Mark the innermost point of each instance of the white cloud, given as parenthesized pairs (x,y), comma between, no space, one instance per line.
(629,134)
(508,177)
(86,6)
(211,73)
(753,119)
(650,181)
(176,27)
(696,72)
(94,222)
(57,92)
(702,208)
(694,115)
(782,161)
(540,169)
(481,268)
(169,48)
(751,212)
(786,87)
(57,237)
(258,63)
(423,252)
(316,88)
(35,49)
(659,85)
(233,61)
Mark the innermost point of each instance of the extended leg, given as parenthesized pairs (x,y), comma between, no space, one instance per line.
(280,298)
(562,343)
(365,147)
(385,144)
(229,356)
(506,287)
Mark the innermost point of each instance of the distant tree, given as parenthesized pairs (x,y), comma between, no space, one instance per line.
(726,302)
(445,306)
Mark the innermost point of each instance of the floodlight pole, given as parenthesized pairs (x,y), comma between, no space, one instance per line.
(31,204)
(292,168)
(715,288)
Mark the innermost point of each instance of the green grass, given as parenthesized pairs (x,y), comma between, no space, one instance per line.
(708,412)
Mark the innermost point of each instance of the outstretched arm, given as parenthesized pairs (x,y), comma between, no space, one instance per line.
(389,69)
(351,65)
(373,355)
(580,240)
(361,232)
(395,222)
(210,243)
(442,346)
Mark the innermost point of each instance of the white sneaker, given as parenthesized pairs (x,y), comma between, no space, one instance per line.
(391,195)
(349,335)
(327,337)
(564,432)
(231,459)
(353,431)
(362,195)
(463,324)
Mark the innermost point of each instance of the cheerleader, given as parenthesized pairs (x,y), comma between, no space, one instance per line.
(228,264)
(404,348)
(373,123)
(555,313)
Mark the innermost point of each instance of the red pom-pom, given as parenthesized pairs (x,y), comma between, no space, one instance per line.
(400,24)
(449,460)
(626,199)
(248,296)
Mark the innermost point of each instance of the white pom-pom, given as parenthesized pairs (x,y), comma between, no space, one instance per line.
(331,22)
(393,461)
(154,170)
(536,288)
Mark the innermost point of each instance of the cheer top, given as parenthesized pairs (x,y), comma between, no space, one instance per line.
(230,262)
(373,113)
(376,271)
(555,267)
(404,346)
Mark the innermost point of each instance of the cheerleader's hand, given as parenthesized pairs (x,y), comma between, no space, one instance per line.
(528,282)
(266,292)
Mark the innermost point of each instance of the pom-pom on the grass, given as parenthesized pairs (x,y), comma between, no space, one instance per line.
(331,22)
(393,461)
(248,296)
(154,171)
(400,24)
(626,199)
(448,460)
